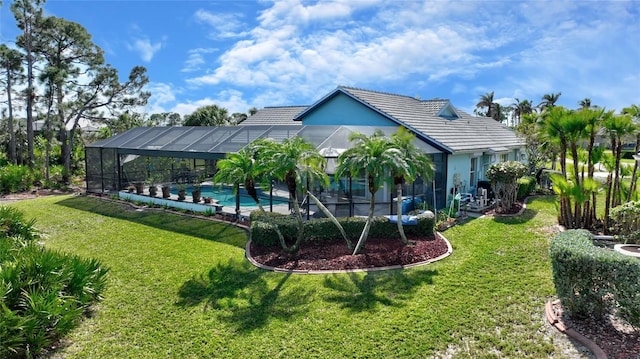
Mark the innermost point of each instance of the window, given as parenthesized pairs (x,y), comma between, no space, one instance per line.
(504,157)
(472,172)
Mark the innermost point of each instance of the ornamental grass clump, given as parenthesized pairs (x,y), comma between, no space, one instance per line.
(43,293)
(504,181)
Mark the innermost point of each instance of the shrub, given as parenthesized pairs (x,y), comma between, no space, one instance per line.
(15,178)
(526,186)
(43,293)
(503,177)
(262,230)
(56,176)
(591,280)
(627,221)
(13,224)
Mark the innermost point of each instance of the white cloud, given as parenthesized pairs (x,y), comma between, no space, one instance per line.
(144,47)
(225,25)
(299,50)
(196,59)
(230,99)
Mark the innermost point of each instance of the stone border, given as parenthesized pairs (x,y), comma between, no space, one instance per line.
(558,324)
(374,269)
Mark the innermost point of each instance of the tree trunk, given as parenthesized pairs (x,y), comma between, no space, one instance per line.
(607,203)
(12,132)
(634,178)
(331,217)
(367,225)
(616,181)
(403,236)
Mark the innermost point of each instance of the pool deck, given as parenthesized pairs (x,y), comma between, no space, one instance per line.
(202,207)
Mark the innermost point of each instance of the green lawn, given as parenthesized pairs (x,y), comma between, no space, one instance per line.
(181,287)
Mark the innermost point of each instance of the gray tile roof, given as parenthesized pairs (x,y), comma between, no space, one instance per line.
(464,134)
(275,116)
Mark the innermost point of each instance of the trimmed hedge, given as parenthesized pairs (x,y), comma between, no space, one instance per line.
(323,230)
(592,280)
(526,186)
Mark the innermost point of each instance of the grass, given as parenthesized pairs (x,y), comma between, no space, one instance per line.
(181,287)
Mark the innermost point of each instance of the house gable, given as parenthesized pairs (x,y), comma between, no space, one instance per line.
(448,112)
(340,109)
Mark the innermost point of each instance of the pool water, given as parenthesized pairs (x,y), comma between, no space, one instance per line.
(225,196)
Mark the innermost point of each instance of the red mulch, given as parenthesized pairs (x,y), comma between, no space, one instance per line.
(616,338)
(515,209)
(336,256)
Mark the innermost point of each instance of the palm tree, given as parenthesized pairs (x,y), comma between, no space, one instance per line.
(549,100)
(240,167)
(499,112)
(243,167)
(486,100)
(295,162)
(419,164)
(592,118)
(584,104)
(521,108)
(552,130)
(371,156)
(617,127)
(634,112)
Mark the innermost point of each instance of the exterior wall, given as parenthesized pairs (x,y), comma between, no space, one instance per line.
(459,170)
(345,111)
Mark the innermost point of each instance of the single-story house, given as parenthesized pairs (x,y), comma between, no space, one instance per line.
(462,146)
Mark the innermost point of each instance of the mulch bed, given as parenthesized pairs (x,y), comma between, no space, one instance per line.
(616,338)
(336,256)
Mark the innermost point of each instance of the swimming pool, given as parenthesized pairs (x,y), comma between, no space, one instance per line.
(225,196)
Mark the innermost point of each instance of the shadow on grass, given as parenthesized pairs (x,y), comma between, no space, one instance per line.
(358,293)
(242,296)
(525,217)
(205,229)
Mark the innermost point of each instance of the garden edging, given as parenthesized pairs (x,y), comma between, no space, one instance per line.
(558,324)
(297,271)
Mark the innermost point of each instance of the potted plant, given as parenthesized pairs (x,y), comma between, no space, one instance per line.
(153,190)
(139,187)
(197,189)
(153,184)
(182,191)
(196,192)
(166,190)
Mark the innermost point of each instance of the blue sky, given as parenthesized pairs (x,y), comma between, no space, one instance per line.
(243,54)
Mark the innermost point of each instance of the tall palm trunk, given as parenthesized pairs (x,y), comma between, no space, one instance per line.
(399,211)
(616,179)
(590,207)
(634,176)
(331,217)
(367,226)
(607,203)
(578,222)
(293,194)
